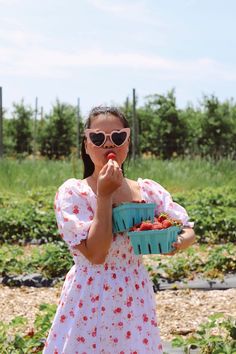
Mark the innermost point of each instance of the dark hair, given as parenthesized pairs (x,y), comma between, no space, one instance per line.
(88,163)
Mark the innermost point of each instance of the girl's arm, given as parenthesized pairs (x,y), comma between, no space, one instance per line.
(97,244)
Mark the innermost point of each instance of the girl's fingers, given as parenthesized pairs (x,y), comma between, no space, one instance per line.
(104,168)
(110,170)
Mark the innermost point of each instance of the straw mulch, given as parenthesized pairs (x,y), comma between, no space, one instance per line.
(179,311)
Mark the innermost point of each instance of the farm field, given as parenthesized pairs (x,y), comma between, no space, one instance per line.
(180,175)
(205,187)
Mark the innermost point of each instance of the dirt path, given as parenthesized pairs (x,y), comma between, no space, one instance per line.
(179,311)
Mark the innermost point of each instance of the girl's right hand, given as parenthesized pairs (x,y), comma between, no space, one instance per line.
(109,179)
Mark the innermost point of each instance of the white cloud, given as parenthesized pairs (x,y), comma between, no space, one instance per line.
(41,62)
(135,11)
(19,38)
(9,2)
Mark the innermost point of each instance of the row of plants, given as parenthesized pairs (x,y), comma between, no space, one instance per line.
(32,218)
(216,336)
(164,130)
(53,260)
(213,261)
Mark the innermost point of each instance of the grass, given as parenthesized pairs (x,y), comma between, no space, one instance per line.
(179,175)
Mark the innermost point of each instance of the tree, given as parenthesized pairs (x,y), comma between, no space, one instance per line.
(8,136)
(58,133)
(22,131)
(217,127)
(168,131)
(192,118)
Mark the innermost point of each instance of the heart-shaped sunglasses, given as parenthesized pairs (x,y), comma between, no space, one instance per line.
(98,137)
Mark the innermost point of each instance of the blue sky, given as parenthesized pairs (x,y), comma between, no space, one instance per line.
(99,50)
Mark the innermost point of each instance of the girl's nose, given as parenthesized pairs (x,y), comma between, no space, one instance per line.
(108,143)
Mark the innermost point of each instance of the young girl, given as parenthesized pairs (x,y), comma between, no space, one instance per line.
(107,305)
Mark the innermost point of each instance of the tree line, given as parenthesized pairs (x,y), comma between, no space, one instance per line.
(165,131)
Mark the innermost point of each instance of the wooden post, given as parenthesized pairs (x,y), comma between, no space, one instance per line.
(78,127)
(35,126)
(41,113)
(137,129)
(127,106)
(134,140)
(1,125)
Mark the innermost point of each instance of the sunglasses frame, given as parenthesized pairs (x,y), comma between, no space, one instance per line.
(97,131)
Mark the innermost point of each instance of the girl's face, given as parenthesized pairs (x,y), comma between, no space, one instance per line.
(98,155)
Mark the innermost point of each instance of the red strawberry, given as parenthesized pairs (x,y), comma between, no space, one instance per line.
(157,226)
(145,226)
(162,217)
(111,156)
(134,228)
(166,224)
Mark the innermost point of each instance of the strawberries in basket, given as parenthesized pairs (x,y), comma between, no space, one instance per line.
(163,221)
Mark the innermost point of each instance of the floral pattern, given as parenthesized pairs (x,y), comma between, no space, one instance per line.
(108,308)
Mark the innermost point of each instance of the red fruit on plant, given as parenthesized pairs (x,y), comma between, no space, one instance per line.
(146,226)
(166,224)
(111,156)
(31,332)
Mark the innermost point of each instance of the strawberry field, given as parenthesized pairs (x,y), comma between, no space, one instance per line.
(30,243)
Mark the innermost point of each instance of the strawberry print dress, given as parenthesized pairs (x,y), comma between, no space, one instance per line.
(107,308)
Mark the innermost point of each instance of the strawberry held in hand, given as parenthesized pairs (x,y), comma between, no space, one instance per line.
(111,156)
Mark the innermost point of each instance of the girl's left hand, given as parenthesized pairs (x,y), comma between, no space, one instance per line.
(184,240)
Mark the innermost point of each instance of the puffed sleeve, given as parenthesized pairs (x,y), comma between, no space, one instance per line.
(153,192)
(73,212)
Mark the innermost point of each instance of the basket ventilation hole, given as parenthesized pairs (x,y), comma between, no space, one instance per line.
(159,245)
(139,249)
(149,248)
(124,223)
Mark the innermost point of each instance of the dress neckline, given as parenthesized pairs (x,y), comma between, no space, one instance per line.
(139,181)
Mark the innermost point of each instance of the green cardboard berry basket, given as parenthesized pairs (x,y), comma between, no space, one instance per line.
(127,215)
(154,241)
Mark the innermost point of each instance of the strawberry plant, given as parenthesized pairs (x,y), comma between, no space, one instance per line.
(15,339)
(32,217)
(217,336)
(210,262)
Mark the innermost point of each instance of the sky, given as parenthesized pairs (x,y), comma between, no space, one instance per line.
(99,50)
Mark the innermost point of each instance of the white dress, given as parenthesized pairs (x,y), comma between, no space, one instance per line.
(108,308)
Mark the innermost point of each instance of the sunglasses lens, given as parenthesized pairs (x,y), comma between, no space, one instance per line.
(119,138)
(97,138)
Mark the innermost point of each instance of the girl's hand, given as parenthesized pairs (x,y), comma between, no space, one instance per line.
(184,240)
(109,179)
